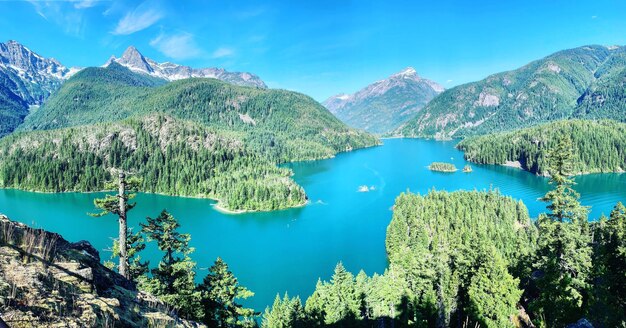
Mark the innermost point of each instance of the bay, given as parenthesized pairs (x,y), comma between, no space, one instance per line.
(287,251)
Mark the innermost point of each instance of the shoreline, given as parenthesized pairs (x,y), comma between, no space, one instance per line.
(215,206)
(517,165)
(224,210)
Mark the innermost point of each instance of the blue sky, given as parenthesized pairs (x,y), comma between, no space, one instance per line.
(317,47)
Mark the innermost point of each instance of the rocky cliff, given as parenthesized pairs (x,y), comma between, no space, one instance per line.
(46,281)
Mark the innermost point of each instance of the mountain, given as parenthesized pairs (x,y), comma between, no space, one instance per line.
(26,80)
(584,82)
(135,61)
(286,125)
(47,281)
(384,105)
(106,119)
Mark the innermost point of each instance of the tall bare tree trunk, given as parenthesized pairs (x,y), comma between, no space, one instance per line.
(123,267)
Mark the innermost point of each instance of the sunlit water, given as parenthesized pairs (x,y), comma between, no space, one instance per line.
(289,250)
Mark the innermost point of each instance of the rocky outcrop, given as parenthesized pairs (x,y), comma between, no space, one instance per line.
(46,281)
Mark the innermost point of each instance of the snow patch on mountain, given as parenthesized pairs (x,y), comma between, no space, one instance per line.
(135,61)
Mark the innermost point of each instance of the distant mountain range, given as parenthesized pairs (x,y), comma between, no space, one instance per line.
(134,60)
(585,82)
(193,137)
(26,80)
(384,105)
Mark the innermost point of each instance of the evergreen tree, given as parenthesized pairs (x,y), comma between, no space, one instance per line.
(564,251)
(609,296)
(285,313)
(118,205)
(338,300)
(220,291)
(137,269)
(493,293)
(173,280)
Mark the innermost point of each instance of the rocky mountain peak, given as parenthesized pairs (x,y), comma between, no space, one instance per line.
(30,64)
(407,72)
(134,60)
(384,104)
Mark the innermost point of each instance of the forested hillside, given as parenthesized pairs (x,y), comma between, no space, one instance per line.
(452,257)
(576,83)
(599,146)
(474,259)
(284,125)
(13,109)
(171,156)
(114,118)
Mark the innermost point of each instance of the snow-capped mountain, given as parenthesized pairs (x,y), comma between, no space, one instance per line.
(135,61)
(26,80)
(384,105)
(34,77)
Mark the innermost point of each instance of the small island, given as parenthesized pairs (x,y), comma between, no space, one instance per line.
(467,169)
(442,167)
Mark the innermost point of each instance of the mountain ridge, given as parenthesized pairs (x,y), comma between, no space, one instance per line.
(558,86)
(27,79)
(385,104)
(136,61)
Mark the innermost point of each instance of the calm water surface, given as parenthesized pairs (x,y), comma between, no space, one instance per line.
(289,250)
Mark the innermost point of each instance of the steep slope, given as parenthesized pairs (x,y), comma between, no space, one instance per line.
(283,125)
(547,89)
(135,61)
(26,80)
(599,146)
(384,105)
(46,281)
(606,97)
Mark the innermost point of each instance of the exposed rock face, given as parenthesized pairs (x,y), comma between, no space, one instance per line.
(586,82)
(26,80)
(487,100)
(134,60)
(384,105)
(16,56)
(47,281)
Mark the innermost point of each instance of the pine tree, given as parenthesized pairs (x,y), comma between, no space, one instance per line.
(173,280)
(493,292)
(135,244)
(118,205)
(564,251)
(220,291)
(609,294)
(285,313)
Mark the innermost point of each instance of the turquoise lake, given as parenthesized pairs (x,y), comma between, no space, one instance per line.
(289,250)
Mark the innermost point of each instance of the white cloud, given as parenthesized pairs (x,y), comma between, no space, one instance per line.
(223,52)
(61,13)
(142,17)
(594,17)
(177,46)
(85,4)
(78,4)
(448,81)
